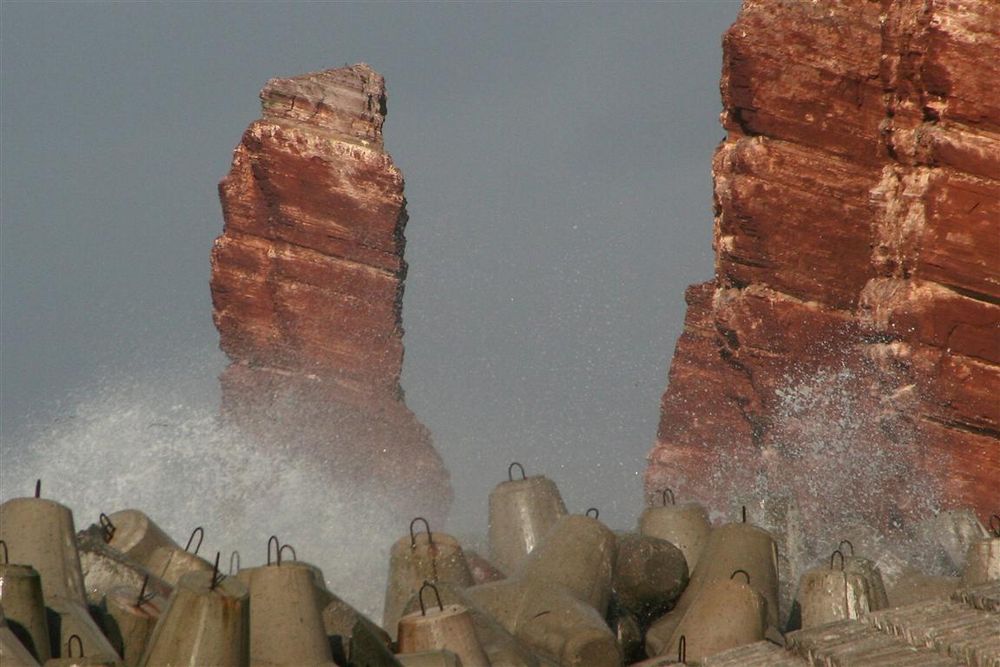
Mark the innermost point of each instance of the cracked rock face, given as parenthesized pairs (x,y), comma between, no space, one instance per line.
(847,352)
(307,282)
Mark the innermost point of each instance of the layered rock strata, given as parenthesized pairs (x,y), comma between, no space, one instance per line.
(847,352)
(307,282)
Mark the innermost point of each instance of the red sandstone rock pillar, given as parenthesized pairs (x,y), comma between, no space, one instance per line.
(307,282)
(847,352)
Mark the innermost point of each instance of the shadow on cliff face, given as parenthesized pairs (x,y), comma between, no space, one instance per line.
(153,443)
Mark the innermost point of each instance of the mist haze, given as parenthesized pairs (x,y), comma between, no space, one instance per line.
(557,162)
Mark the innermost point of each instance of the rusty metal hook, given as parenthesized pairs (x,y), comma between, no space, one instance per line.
(107,527)
(510,471)
(282,550)
(597,512)
(277,549)
(413,536)
(234,556)
(682,649)
(836,553)
(668,492)
(217,576)
(38,493)
(420,597)
(69,646)
(200,532)
(848,543)
(745,573)
(744,513)
(143,596)
(995,529)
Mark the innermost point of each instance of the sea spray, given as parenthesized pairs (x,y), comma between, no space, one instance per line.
(155,442)
(833,454)
(155,445)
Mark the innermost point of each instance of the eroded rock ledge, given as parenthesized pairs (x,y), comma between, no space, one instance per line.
(307,282)
(848,350)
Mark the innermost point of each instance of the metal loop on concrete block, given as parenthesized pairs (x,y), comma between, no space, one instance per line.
(848,543)
(69,646)
(510,471)
(216,575)
(413,535)
(282,550)
(420,597)
(277,548)
(107,527)
(144,597)
(200,532)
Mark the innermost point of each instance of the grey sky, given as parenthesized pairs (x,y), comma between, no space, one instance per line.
(557,161)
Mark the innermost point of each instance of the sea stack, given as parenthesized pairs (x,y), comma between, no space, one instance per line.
(307,284)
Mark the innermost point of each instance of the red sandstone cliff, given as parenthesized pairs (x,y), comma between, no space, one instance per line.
(307,282)
(848,350)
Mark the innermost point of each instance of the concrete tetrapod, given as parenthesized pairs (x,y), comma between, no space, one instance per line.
(12,651)
(627,631)
(685,526)
(206,622)
(730,547)
(872,576)
(483,571)
(276,555)
(954,530)
(136,535)
(442,627)
(40,533)
(71,619)
(550,620)
(501,648)
(337,617)
(578,553)
(521,513)
(75,657)
(340,618)
(659,661)
(726,614)
(367,649)
(416,558)
(430,659)
(105,568)
(650,573)
(170,563)
(827,594)
(982,563)
(24,608)
(134,614)
(286,622)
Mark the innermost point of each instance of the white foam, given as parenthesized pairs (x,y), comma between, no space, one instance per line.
(151,444)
